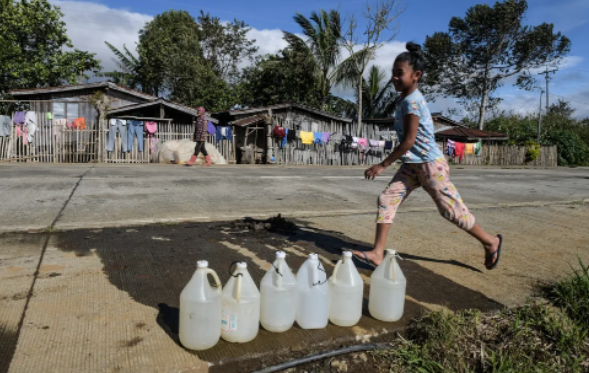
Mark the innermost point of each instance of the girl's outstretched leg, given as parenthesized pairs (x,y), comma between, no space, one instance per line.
(490,243)
(376,255)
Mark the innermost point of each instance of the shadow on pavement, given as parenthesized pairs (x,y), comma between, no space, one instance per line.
(154,263)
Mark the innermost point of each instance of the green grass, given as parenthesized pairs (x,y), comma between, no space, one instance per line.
(572,295)
(543,336)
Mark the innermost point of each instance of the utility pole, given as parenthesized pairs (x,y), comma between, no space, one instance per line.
(547,77)
(540,115)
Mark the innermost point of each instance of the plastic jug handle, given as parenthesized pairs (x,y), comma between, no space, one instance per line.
(238,282)
(334,275)
(279,273)
(216,278)
(394,266)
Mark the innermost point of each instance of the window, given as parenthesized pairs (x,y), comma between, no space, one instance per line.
(62,110)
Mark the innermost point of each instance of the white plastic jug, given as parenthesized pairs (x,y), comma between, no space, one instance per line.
(346,291)
(240,317)
(313,295)
(278,291)
(200,310)
(387,289)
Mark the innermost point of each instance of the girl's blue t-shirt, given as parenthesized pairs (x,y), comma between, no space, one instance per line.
(425,149)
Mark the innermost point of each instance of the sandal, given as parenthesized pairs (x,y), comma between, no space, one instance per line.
(496,252)
(364,260)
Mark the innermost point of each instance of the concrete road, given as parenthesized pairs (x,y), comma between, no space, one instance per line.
(37,197)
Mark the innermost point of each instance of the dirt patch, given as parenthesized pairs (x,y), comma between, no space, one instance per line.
(275,224)
(133,342)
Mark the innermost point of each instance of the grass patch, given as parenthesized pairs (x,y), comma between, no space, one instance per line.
(572,295)
(548,335)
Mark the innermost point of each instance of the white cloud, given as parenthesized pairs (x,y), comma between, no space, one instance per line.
(90,24)
(268,41)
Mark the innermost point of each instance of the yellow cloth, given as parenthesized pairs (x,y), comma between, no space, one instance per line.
(307,137)
(469,149)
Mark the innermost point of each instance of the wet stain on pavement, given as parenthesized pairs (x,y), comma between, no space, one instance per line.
(154,272)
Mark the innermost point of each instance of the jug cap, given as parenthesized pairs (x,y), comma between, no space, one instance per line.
(202,264)
(280,255)
(347,254)
(241,265)
(391,251)
(313,256)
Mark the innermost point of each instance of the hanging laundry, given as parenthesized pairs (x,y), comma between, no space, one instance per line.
(151,127)
(291,135)
(5,126)
(30,125)
(49,116)
(381,144)
(325,137)
(21,131)
(115,124)
(224,133)
(349,139)
(211,129)
(317,137)
(279,132)
(363,143)
(450,150)
(80,123)
(19,117)
(469,149)
(307,137)
(388,145)
(373,143)
(135,127)
(459,150)
(477,148)
(285,138)
(59,125)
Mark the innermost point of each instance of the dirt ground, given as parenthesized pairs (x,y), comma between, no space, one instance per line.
(106,300)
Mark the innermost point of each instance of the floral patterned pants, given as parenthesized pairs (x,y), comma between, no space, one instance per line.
(434,177)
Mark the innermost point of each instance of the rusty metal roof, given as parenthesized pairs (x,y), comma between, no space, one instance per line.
(77,87)
(248,120)
(261,109)
(182,108)
(471,134)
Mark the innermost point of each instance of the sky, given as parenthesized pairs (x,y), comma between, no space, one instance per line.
(90,23)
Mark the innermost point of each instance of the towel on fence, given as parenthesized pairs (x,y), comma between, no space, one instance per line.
(307,137)
(459,150)
(211,129)
(80,123)
(388,145)
(373,143)
(224,133)
(151,127)
(291,135)
(325,137)
(60,124)
(19,117)
(469,149)
(381,143)
(285,138)
(477,148)
(5,126)
(31,125)
(349,139)
(317,137)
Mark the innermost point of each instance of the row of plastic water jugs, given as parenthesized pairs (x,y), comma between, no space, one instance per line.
(235,311)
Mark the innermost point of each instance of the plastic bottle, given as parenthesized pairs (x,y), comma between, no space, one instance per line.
(278,291)
(313,295)
(346,291)
(240,316)
(200,310)
(386,300)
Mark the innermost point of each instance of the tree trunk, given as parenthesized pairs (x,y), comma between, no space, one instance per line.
(483,108)
(359,105)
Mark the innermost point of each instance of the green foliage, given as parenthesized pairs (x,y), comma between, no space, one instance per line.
(572,295)
(488,45)
(533,151)
(130,69)
(33,40)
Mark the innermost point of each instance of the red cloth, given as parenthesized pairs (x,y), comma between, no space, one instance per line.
(279,131)
(459,150)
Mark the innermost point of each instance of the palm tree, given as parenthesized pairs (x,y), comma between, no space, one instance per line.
(130,66)
(379,96)
(321,48)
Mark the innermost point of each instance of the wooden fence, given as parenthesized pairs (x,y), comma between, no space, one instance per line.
(504,155)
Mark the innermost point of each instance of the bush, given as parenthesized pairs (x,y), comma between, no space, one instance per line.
(571,149)
(533,151)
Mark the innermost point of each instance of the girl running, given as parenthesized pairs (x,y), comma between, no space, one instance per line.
(423,165)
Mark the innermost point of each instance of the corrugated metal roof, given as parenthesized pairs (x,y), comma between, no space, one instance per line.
(472,134)
(285,106)
(248,120)
(182,108)
(77,87)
